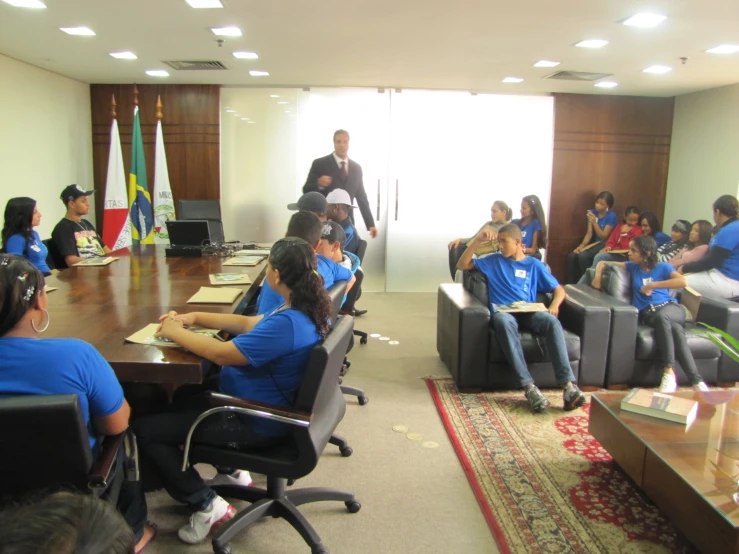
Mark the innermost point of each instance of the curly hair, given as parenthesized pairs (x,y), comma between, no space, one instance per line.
(18,218)
(20,283)
(538,212)
(647,247)
(296,262)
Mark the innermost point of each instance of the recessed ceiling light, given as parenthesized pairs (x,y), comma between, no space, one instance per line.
(645,20)
(274,95)
(244,119)
(512,80)
(658,69)
(157,73)
(283,102)
(592,43)
(204,4)
(724,49)
(546,63)
(227,31)
(251,121)
(257,73)
(246,55)
(81,31)
(606,84)
(124,55)
(229,110)
(33,4)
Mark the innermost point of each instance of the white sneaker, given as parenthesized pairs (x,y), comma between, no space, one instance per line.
(202,523)
(700,387)
(668,384)
(239,478)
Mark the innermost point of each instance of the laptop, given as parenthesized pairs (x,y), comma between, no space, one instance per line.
(191,232)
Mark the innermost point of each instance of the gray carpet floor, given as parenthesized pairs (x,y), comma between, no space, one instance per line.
(414,498)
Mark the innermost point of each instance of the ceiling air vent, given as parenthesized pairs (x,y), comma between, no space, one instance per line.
(195,65)
(577,76)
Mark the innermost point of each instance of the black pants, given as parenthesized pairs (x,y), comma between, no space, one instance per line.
(353,295)
(669,333)
(131,501)
(577,264)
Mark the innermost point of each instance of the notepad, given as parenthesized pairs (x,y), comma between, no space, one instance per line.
(50,289)
(96,262)
(249,261)
(519,307)
(209,295)
(229,279)
(146,335)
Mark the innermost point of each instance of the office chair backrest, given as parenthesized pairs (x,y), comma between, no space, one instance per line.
(361,249)
(45,443)
(56,258)
(199,209)
(336,294)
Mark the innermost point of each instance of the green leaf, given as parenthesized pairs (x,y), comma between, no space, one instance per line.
(726,336)
(716,335)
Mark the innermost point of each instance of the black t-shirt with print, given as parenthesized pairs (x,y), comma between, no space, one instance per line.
(77,239)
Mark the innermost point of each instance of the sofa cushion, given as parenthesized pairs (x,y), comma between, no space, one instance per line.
(534,348)
(616,282)
(646,346)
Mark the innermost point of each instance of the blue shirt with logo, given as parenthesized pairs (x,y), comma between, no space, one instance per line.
(639,278)
(609,219)
(527,231)
(33,250)
(728,239)
(512,280)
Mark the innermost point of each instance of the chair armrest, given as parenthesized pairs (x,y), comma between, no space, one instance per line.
(100,470)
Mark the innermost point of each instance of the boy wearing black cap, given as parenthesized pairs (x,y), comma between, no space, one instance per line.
(76,239)
(313,202)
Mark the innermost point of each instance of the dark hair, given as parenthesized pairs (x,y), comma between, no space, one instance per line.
(295,259)
(727,205)
(607,196)
(647,247)
(510,229)
(20,284)
(65,523)
(535,204)
(652,220)
(682,226)
(705,229)
(18,218)
(340,132)
(502,206)
(630,210)
(306,226)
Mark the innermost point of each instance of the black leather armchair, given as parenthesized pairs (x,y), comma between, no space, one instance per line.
(632,354)
(467,344)
(319,408)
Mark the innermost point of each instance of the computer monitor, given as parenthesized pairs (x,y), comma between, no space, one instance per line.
(193,232)
(199,209)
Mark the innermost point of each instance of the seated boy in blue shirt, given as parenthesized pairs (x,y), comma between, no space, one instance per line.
(512,277)
(338,210)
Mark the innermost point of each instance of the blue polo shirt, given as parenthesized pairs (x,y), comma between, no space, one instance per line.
(33,250)
(527,231)
(512,280)
(609,219)
(639,278)
(728,239)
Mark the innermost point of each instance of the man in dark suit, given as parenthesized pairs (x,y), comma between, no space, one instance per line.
(337,171)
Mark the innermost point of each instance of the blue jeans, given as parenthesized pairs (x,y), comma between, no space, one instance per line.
(601,257)
(542,324)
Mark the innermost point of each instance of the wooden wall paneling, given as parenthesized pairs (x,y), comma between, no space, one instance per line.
(191,127)
(615,143)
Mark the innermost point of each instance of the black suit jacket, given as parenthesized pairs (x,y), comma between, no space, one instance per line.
(353,184)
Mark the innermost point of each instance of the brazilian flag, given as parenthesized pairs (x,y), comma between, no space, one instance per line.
(139,199)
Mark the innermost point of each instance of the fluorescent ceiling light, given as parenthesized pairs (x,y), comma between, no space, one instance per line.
(512,80)
(244,119)
(658,69)
(226,31)
(257,73)
(157,73)
(229,110)
(546,63)
(246,55)
(204,4)
(645,20)
(274,95)
(606,84)
(33,4)
(724,49)
(123,55)
(592,43)
(81,31)
(283,102)
(251,121)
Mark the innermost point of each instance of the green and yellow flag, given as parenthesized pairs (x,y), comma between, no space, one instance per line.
(139,199)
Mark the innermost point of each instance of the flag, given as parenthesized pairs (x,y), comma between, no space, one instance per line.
(116,225)
(163,200)
(139,200)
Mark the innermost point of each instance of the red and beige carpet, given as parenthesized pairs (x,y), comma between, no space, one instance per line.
(544,484)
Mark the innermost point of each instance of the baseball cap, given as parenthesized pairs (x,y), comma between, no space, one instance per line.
(332,232)
(73,192)
(339,196)
(310,202)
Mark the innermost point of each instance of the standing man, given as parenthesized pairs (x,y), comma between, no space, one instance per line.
(337,171)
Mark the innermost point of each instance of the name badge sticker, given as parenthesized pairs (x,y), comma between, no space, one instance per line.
(523,234)
(521,273)
(646,280)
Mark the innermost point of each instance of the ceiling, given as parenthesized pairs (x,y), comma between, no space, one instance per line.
(436,44)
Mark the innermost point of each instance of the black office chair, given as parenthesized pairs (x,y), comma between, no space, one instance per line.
(50,249)
(209,210)
(317,411)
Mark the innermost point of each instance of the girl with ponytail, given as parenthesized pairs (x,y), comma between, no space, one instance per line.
(265,362)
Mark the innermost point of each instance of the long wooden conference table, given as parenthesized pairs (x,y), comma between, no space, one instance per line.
(104,305)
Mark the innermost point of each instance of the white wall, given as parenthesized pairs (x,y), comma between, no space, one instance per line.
(704,157)
(45,138)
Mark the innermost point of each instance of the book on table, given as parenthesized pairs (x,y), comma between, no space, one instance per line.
(248,261)
(660,405)
(229,279)
(220,295)
(147,335)
(519,307)
(95,262)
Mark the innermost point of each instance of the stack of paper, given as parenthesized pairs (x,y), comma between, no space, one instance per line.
(249,261)
(229,279)
(210,295)
(146,335)
(95,262)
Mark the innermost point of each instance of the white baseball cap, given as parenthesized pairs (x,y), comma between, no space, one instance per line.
(339,196)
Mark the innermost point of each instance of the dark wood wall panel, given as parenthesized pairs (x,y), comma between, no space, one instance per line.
(191,127)
(615,143)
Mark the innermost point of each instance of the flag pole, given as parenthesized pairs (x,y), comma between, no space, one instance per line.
(135,95)
(160,115)
(112,106)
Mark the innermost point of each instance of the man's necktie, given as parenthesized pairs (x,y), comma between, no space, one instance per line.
(343,171)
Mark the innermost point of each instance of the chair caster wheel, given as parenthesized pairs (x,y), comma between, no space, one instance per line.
(363,340)
(353,506)
(346,451)
(222,549)
(362,400)
(290,482)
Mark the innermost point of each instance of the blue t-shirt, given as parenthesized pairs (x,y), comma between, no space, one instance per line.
(609,219)
(728,239)
(278,349)
(661,238)
(639,278)
(527,231)
(60,366)
(352,238)
(34,250)
(331,272)
(510,280)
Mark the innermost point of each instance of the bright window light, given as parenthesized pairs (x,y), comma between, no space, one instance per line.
(80,31)
(512,80)
(546,63)
(257,73)
(157,73)
(606,84)
(592,43)
(205,4)
(33,4)
(724,49)
(227,31)
(124,55)
(645,20)
(246,55)
(659,69)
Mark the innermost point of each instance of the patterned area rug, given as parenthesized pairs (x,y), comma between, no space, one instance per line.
(544,484)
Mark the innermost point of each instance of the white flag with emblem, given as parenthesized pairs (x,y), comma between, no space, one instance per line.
(163,200)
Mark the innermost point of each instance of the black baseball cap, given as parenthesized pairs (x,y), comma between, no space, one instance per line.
(310,202)
(73,192)
(333,232)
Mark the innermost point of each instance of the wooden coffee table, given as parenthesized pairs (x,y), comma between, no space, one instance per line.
(689,472)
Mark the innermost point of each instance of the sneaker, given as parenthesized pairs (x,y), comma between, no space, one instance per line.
(536,399)
(700,387)
(238,478)
(203,523)
(573,397)
(668,384)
